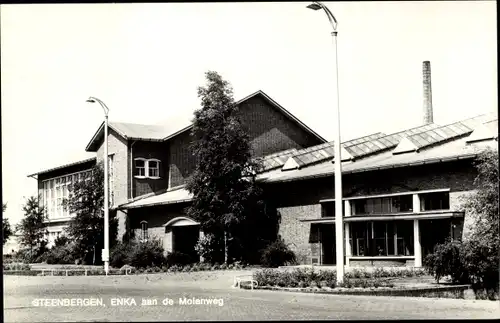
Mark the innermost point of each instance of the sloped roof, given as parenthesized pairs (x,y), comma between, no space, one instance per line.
(445,151)
(435,144)
(132,131)
(64,166)
(449,151)
(169,197)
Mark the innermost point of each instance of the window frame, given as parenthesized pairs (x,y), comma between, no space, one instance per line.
(145,167)
(158,163)
(144,231)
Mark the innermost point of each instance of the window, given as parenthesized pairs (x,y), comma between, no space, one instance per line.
(56,190)
(140,167)
(380,205)
(153,168)
(147,168)
(328,209)
(382,238)
(144,230)
(435,201)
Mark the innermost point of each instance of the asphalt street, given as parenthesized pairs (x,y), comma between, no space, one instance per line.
(119,298)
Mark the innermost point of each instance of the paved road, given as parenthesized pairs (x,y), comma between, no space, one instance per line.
(21,293)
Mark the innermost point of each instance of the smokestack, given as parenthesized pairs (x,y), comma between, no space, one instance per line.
(428,118)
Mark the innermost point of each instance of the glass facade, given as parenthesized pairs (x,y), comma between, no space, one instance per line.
(382,238)
(381,205)
(57,189)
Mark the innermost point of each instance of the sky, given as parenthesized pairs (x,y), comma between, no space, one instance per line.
(146,61)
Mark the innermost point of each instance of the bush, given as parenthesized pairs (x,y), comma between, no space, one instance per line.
(16,266)
(179,258)
(120,255)
(207,247)
(59,255)
(277,254)
(447,260)
(146,254)
(311,278)
(61,241)
(30,256)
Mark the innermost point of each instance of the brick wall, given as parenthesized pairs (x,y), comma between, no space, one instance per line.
(148,150)
(270,131)
(156,217)
(119,148)
(181,161)
(296,200)
(120,187)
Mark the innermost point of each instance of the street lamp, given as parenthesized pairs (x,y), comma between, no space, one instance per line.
(105,251)
(339,223)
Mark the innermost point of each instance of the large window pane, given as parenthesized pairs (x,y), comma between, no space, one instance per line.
(328,209)
(435,201)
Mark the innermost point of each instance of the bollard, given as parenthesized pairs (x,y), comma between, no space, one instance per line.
(85,272)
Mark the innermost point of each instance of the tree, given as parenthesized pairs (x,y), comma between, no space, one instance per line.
(225,195)
(86,229)
(32,228)
(482,246)
(6,229)
(475,259)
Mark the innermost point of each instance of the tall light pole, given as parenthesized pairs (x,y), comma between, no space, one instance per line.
(339,221)
(105,251)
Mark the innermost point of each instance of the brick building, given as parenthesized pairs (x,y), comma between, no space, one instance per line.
(153,161)
(401,191)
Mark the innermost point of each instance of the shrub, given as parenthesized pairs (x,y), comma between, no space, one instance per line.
(447,260)
(16,266)
(277,254)
(178,258)
(61,241)
(207,246)
(146,254)
(266,277)
(62,254)
(329,278)
(120,254)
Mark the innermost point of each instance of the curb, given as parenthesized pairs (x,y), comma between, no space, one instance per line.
(381,291)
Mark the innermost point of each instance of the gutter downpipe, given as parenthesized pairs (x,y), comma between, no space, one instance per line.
(132,170)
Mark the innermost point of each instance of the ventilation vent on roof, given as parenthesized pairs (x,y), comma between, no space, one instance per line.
(344,154)
(481,133)
(405,146)
(290,164)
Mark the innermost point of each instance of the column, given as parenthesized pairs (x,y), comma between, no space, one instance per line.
(202,235)
(416,244)
(417,248)
(348,213)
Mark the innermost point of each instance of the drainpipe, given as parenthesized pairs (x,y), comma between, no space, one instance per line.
(132,170)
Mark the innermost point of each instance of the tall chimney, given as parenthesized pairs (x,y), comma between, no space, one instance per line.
(428,118)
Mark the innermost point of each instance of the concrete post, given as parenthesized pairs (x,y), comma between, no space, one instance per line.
(416,233)
(348,213)
(416,243)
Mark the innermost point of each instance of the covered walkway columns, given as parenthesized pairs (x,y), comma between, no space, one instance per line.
(347,235)
(416,233)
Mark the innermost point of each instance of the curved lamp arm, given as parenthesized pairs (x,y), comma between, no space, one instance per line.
(316,5)
(92,99)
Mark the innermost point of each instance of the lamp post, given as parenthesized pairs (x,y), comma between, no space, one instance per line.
(105,251)
(339,223)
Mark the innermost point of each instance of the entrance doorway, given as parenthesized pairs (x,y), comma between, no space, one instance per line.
(327,239)
(185,239)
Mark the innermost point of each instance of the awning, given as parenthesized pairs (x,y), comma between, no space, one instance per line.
(180,195)
(391,217)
